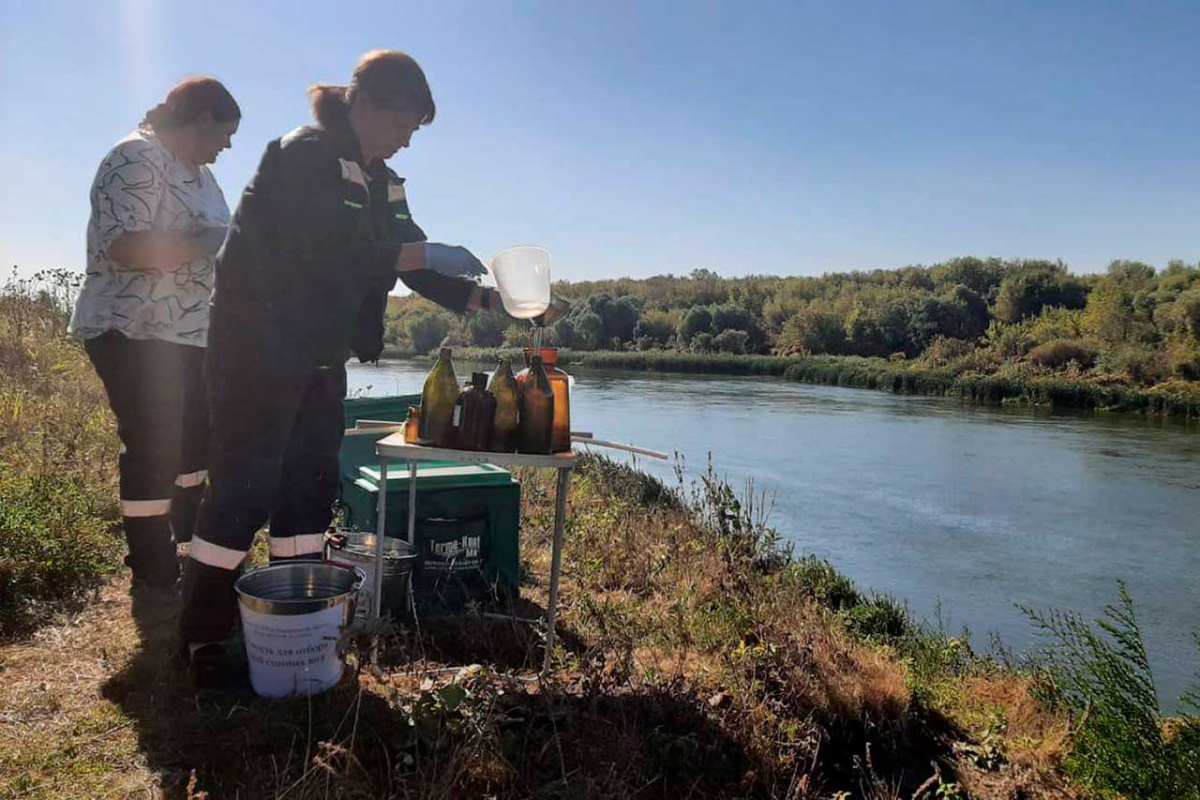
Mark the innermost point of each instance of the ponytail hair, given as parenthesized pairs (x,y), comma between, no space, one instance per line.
(330,103)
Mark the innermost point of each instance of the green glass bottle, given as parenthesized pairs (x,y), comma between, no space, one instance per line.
(507,422)
(537,409)
(437,403)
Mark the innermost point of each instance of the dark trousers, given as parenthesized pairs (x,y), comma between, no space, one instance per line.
(156,391)
(275,440)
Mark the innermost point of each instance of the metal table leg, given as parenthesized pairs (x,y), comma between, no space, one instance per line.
(380,532)
(412,503)
(381,528)
(412,529)
(560,514)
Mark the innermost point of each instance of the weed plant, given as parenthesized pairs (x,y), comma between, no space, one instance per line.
(1123,747)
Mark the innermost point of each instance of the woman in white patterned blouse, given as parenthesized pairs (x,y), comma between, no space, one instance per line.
(158,219)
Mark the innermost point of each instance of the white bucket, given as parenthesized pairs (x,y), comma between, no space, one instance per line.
(293,614)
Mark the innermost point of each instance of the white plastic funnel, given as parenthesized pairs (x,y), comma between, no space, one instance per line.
(522,275)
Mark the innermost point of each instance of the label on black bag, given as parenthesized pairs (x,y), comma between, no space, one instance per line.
(465,552)
(452,562)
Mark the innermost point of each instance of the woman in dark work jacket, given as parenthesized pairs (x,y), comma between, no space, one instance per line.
(320,236)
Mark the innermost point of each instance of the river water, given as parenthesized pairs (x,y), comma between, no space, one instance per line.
(955,509)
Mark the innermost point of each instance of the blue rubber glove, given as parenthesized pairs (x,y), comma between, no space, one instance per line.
(452,261)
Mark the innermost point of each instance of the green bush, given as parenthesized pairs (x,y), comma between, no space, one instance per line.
(54,546)
(813,330)
(1009,341)
(1184,361)
(1135,362)
(817,579)
(1058,353)
(622,480)
(1034,285)
(426,331)
(486,329)
(731,341)
(943,350)
(880,619)
(657,326)
(697,320)
(1055,323)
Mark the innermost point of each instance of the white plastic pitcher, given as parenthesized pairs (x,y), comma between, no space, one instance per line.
(522,275)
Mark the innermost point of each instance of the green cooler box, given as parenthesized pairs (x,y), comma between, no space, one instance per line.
(468,515)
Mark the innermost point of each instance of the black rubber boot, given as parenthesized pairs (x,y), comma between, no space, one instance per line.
(216,667)
(151,551)
(184,506)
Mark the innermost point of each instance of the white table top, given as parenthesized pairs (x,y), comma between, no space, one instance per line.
(393,446)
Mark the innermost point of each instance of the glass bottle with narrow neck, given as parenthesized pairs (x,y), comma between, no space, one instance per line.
(437,403)
(507,422)
(473,414)
(536,431)
(560,383)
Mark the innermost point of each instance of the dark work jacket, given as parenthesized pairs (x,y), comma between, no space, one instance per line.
(303,278)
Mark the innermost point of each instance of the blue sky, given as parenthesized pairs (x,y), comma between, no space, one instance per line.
(643,138)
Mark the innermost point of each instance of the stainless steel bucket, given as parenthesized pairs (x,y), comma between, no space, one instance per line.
(293,614)
(357,549)
(299,587)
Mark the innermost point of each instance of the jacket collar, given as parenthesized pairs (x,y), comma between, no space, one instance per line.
(348,147)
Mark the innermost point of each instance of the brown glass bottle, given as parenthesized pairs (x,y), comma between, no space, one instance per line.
(560,383)
(537,409)
(437,403)
(507,421)
(412,426)
(473,413)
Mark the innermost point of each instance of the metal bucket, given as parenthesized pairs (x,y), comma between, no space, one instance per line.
(292,616)
(357,549)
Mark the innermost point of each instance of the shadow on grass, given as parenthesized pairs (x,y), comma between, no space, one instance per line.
(424,735)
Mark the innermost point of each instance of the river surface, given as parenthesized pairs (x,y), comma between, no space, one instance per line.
(955,509)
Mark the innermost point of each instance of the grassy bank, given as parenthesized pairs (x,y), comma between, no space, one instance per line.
(697,657)
(1014,383)
(694,657)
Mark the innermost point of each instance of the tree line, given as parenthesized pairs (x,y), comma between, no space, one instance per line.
(1134,322)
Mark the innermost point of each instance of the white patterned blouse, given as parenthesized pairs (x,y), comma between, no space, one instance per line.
(141,186)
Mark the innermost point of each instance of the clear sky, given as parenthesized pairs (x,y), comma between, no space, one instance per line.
(651,137)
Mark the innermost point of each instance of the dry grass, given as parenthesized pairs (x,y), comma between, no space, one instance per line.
(684,679)
(53,411)
(691,662)
(57,448)
(1031,736)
